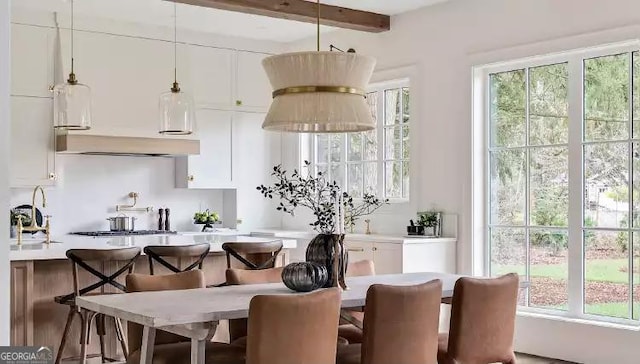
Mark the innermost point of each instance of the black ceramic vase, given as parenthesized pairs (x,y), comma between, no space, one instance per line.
(304,276)
(322,250)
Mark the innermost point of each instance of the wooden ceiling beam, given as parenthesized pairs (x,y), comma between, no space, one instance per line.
(302,10)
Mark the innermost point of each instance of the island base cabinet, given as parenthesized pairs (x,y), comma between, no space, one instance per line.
(391,258)
(36,319)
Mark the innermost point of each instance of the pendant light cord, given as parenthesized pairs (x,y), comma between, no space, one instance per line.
(72,36)
(318,27)
(175,42)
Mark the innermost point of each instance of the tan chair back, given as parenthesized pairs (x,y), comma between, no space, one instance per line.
(294,329)
(238,327)
(483,316)
(142,283)
(361,268)
(401,324)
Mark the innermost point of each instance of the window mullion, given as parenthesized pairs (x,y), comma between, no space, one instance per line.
(527,187)
(575,281)
(630,188)
(381,143)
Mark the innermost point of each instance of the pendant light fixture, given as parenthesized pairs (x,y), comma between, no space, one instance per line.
(71,99)
(319,92)
(177,109)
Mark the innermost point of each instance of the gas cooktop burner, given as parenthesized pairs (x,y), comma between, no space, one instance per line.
(123,233)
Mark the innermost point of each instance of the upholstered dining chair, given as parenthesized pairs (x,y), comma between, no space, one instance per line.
(393,331)
(170,348)
(238,327)
(483,313)
(346,330)
(294,329)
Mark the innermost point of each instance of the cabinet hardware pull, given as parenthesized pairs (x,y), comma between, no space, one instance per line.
(51,87)
(52,176)
(374,248)
(355,249)
(238,102)
(190,178)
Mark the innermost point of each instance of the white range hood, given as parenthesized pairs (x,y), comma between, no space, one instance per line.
(120,145)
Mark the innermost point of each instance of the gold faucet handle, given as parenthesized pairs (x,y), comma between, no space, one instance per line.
(47,228)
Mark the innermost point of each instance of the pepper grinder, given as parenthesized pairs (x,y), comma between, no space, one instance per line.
(167,223)
(161,219)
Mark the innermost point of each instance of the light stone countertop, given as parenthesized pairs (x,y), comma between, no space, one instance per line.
(308,235)
(35,249)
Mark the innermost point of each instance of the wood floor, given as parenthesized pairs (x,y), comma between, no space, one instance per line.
(528,359)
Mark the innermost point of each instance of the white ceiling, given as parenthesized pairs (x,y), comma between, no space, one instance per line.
(158,12)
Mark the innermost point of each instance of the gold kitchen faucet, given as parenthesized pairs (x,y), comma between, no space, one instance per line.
(34,223)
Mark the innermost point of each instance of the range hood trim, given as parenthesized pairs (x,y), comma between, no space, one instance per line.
(117,145)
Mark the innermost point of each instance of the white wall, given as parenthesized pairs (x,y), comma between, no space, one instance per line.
(5,75)
(443,42)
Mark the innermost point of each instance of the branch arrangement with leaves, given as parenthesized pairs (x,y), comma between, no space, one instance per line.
(318,195)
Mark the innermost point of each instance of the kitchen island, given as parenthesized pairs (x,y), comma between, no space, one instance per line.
(40,272)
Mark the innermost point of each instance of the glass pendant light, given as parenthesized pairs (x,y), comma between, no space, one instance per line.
(72,100)
(319,92)
(177,109)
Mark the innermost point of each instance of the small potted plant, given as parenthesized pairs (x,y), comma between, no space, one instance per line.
(206,218)
(432,221)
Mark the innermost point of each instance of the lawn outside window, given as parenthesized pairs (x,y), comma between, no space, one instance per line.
(562,169)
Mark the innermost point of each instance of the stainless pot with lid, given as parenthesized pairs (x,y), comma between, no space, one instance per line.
(121,223)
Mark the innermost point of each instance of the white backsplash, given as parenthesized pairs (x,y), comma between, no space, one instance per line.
(89,187)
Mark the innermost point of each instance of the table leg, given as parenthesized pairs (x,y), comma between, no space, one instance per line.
(148,341)
(197,351)
(347,316)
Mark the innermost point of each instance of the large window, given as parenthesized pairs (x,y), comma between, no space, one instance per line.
(563,189)
(374,162)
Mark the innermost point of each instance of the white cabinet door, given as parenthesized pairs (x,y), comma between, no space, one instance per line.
(32,150)
(253,91)
(387,258)
(256,151)
(213,167)
(208,76)
(359,251)
(31,60)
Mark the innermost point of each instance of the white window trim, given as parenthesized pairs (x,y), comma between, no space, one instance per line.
(480,254)
(307,142)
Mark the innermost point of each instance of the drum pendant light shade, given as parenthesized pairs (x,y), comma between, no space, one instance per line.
(319,92)
(177,113)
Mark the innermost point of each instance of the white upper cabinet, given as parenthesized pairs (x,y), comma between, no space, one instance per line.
(32,54)
(126,76)
(32,150)
(208,76)
(213,167)
(253,90)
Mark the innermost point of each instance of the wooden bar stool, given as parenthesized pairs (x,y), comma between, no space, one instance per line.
(258,255)
(158,253)
(80,258)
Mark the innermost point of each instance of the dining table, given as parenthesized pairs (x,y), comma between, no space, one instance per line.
(195,313)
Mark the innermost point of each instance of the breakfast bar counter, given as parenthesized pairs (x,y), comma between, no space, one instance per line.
(40,272)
